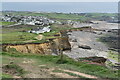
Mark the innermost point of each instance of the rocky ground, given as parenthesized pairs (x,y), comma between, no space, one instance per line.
(98,25)
(85,44)
(88,44)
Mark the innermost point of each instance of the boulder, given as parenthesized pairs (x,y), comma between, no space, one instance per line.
(84,47)
(73,40)
(100,60)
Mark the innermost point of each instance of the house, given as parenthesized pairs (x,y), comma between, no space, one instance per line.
(39,30)
(29,20)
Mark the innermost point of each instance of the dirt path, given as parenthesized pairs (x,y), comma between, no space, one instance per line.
(63,75)
(81,74)
(41,71)
(38,72)
(60,74)
(35,70)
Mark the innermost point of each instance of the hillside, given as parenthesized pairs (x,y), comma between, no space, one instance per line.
(78,45)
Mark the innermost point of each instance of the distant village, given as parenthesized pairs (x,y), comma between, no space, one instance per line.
(40,21)
(34,20)
(29,20)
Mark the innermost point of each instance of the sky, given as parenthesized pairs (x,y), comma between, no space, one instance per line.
(60,0)
(65,7)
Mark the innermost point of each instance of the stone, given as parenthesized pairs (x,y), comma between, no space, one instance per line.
(84,47)
(100,60)
(74,40)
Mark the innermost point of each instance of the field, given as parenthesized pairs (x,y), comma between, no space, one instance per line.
(6,23)
(42,62)
(65,16)
(14,35)
(19,34)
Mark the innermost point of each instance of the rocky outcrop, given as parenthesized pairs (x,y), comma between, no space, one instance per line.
(43,48)
(100,60)
(62,43)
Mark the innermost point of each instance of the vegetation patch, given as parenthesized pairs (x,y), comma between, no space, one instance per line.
(113,55)
(4,75)
(6,23)
(100,71)
(15,37)
(13,69)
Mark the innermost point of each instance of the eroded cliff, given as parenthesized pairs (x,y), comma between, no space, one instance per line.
(51,47)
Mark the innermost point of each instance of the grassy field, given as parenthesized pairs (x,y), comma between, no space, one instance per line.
(19,34)
(114,55)
(6,75)
(63,17)
(6,23)
(68,63)
(17,37)
(49,15)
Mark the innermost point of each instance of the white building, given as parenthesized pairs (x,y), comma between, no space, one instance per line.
(38,31)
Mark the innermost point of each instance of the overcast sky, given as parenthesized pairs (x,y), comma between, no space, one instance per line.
(80,7)
(60,0)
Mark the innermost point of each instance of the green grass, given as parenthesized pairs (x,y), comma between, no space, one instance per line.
(100,71)
(49,15)
(6,23)
(15,37)
(113,55)
(3,75)
(18,69)
(17,34)
(64,17)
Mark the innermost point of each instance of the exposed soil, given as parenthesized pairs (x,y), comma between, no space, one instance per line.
(81,74)
(34,70)
(12,70)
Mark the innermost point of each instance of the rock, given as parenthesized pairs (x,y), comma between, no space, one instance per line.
(84,47)
(100,60)
(117,67)
(69,34)
(57,35)
(73,40)
(62,43)
(112,65)
(109,31)
(100,33)
(94,32)
(11,62)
